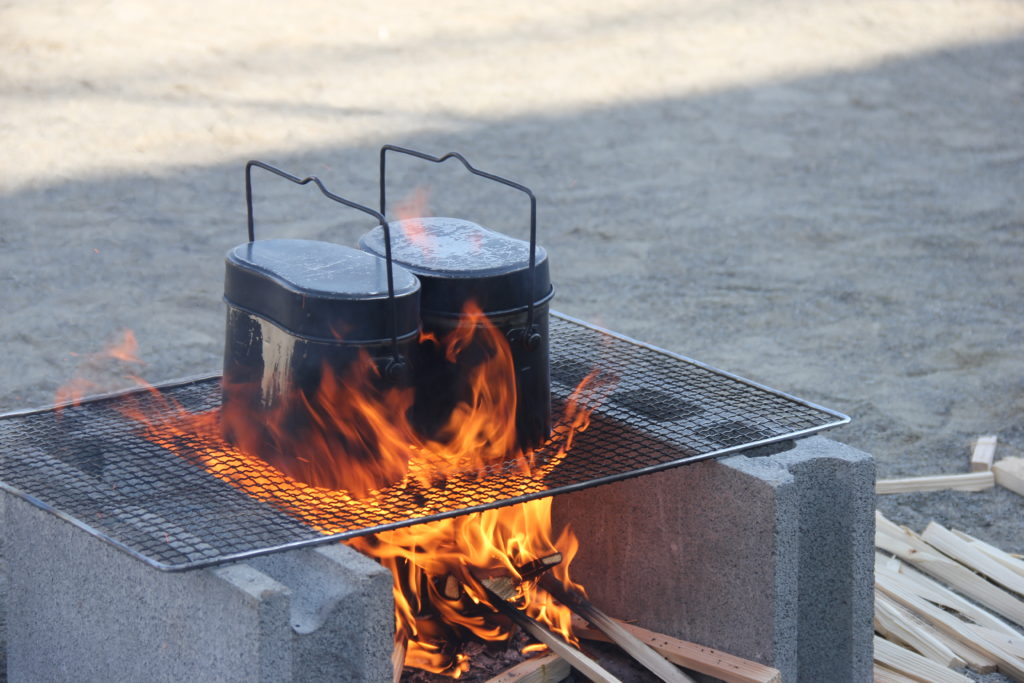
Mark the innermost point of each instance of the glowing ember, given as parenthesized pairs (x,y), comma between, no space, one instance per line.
(438,602)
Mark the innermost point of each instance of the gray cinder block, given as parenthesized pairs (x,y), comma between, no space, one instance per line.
(767,555)
(81,610)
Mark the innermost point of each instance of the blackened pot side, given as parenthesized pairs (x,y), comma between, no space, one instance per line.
(306,321)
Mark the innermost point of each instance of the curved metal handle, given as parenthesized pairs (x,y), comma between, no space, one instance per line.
(396,366)
(490,176)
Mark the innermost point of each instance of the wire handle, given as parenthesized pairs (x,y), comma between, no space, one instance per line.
(396,366)
(530,336)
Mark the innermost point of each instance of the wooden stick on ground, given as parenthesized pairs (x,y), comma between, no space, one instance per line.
(1007,663)
(972,481)
(1010,474)
(548,668)
(576,659)
(893,623)
(909,547)
(1004,558)
(883,674)
(983,454)
(705,660)
(913,665)
(642,653)
(960,550)
(919,585)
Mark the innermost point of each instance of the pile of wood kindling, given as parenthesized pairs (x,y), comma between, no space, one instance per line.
(926,626)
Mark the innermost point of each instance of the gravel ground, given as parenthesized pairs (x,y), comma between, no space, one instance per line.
(826,197)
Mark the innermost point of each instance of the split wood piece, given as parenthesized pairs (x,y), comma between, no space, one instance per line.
(913,665)
(972,481)
(1011,562)
(920,585)
(642,653)
(893,623)
(531,570)
(398,660)
(704,660)
(1007,663)
(910,547)
(548,668)
(927,588)
(971,657)
(1012,644)
(1010,474)
(576,659)
(451,588)
(960,550)
(984,453)
(975,659)
(883,674)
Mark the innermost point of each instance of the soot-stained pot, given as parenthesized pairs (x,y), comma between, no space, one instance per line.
(458,262)
(297,311)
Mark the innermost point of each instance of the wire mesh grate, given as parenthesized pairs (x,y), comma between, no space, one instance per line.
(160,501)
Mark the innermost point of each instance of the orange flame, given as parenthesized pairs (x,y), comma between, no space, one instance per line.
(411,210)
(96,365)
(439,602)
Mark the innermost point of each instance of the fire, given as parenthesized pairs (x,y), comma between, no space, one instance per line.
(87,380)
(409,211)
(437,566)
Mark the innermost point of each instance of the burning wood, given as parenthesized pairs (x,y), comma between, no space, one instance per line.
(641,652)
(699,658)
(503,588)
(499,590)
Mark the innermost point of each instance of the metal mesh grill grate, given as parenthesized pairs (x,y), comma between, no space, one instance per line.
(157,501)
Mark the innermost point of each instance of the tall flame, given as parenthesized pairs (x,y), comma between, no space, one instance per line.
(436,566)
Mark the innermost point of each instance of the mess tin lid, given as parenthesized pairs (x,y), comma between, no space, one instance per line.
(321,290)
(457,261)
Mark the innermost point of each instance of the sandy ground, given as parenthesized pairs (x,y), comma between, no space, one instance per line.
(827,197)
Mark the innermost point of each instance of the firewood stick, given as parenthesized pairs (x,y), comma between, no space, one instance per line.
(883,674)
(913,665)
(576,659)
(1008,664)
(705,660)
(1009,474)
(916,583)
(531,570)
(1014,564)
(638,650)
(451,588)
(983,454)
(398,660)
(548,668)
(909,547)
(972,481)
(896,626)
(975,659)
(960,550)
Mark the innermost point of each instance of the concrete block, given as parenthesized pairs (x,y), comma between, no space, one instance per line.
(766,555)
(81,610)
